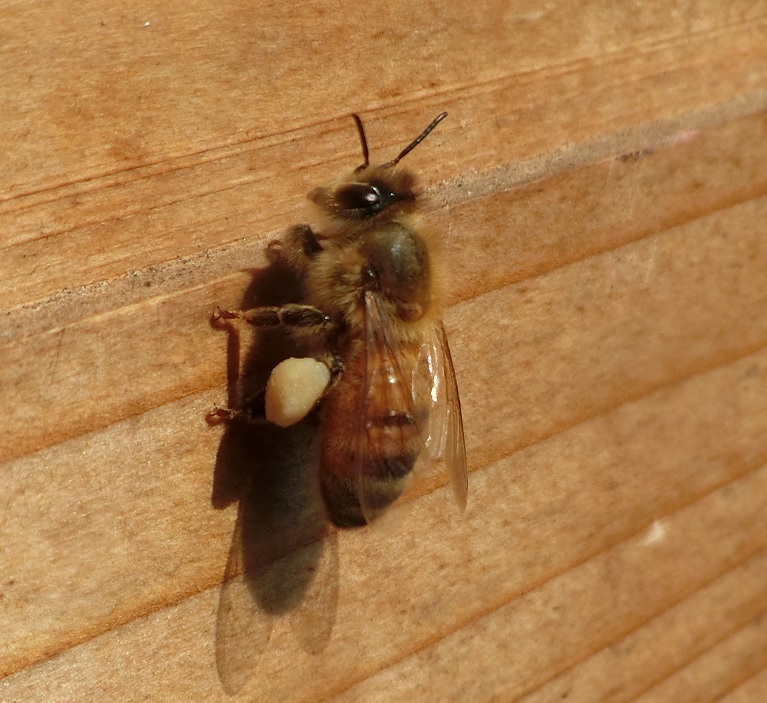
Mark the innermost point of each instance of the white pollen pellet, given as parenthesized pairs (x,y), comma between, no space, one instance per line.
(293,388)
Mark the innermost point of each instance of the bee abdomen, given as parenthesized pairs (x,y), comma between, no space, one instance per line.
(376,470)
(339,493)
(370,460)
(381,480)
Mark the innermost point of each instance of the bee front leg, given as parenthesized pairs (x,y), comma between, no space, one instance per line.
(297,248)
(303,237)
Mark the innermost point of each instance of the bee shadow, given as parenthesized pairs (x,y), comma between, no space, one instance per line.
(283,560)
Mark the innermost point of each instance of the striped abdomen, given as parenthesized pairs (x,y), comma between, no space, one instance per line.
(370,444)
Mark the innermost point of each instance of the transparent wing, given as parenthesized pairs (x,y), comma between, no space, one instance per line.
(242,627)
(301,588)
(392,422)
(282,564)
(444,436)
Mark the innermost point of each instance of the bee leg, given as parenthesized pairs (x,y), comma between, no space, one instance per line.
(218,416)
(291,315)
(299,246)
(306,239)
(252,412)
(335,365)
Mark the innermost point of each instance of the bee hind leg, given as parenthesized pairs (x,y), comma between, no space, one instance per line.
(219,416)
(253,412)
(335,365)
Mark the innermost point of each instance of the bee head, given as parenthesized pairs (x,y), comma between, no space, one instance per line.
(372,193)
(373,189)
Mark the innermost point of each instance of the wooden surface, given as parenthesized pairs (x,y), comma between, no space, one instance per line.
(601,185)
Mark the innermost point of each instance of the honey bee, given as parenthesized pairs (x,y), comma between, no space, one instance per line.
(372,289)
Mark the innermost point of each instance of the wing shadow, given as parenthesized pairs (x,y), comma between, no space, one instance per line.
(283,558)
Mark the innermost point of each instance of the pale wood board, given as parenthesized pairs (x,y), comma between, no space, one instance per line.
(753,689)
(601,189)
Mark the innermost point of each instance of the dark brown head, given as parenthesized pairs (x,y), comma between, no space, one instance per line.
(372,190)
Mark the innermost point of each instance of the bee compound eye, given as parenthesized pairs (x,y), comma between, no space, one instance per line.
(359,201)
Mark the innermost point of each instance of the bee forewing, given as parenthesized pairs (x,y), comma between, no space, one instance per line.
(242,627)
(445,438)
(391,429)
(313,619)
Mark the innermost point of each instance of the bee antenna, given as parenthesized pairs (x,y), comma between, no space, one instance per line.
(414,143)
(363,141)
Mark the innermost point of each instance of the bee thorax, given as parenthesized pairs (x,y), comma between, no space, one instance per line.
(399,261)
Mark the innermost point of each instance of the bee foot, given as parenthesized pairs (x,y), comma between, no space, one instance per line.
(219,318)
(218,415)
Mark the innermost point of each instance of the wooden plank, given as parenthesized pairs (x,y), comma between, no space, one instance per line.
(753,689)
(494,655)
(269,57)
(166,347)
(627,667)
(647,459)
(102,226)
(586,607)
(561,415)
(600,187)
(718,670)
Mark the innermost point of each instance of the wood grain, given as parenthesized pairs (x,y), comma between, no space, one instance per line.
(600,186)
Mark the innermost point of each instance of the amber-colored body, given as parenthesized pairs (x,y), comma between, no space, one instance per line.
(395,438)
(371,287)
(375,280)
